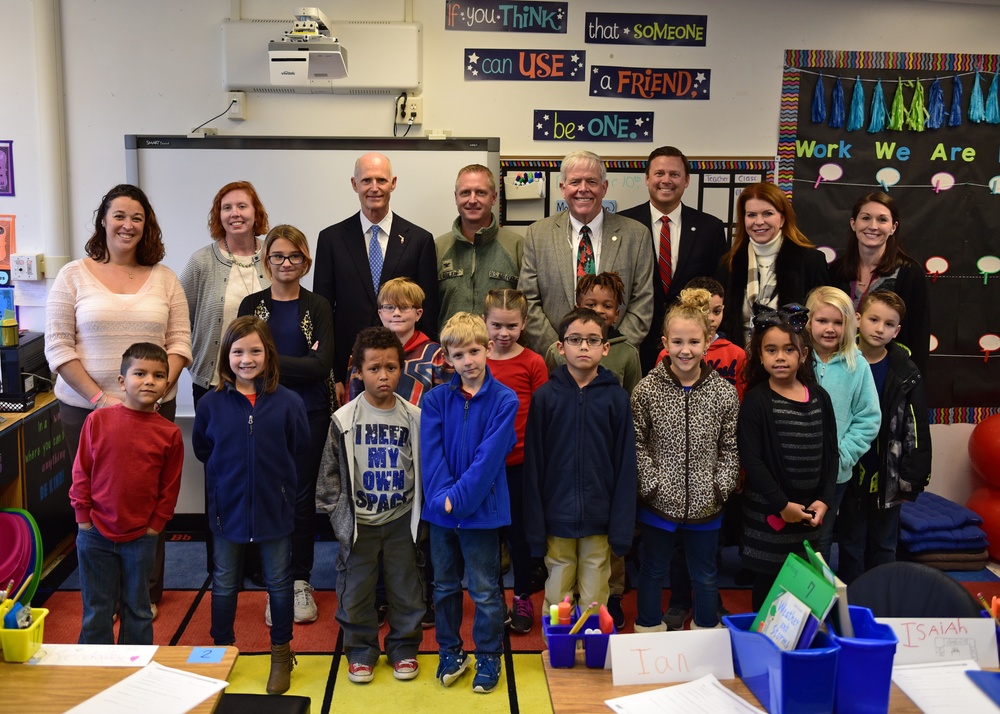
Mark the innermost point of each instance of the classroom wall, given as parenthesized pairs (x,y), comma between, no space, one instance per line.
(155,68)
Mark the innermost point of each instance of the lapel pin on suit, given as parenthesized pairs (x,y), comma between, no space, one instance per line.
(401,240)
(614,238)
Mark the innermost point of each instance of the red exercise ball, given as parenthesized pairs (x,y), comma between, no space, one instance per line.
(984,450)
(986,502)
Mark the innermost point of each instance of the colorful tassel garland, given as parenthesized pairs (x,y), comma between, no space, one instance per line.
(955,115)
(917,114)
(897,112)
(819,102)
(992,103)
(877,122)
(837,105)
(976,111)
(856,120)
(935,106)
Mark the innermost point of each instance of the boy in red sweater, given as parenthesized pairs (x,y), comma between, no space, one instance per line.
(126,479)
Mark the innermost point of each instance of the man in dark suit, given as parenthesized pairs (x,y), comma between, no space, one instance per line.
(354,257)
(696,240)
(584,238)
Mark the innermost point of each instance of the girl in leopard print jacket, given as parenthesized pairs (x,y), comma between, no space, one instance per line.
(685,418)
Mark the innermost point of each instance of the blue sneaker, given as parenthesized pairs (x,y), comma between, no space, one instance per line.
(451,666)
(487,674)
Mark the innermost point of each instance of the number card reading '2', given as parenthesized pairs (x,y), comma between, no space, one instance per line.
(570,125)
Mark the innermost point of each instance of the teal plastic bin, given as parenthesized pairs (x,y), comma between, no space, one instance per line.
(864,671)
(792,682)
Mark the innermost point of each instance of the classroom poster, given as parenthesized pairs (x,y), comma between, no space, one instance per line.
(525,65)
(649,82)
(570,125)
(944,180)
(504,16)
(640,28)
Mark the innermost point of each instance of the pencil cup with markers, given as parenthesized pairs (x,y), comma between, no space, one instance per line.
(19,645)
(588,627)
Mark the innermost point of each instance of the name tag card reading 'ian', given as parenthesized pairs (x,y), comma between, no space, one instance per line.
(667,657)
(926,640)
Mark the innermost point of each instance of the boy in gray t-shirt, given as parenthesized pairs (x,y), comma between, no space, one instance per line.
(369,481)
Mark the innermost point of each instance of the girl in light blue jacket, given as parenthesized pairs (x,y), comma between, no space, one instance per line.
(843,373)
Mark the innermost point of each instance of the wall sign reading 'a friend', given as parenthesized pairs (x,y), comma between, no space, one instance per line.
(501,16)
(569,125)
(650,82)
(525,65)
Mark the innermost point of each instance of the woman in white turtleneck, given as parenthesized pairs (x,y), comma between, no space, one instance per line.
(770,264)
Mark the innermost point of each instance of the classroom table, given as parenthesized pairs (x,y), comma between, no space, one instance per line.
(53,690)
(580,690)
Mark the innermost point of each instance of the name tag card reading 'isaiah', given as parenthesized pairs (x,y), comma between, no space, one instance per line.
(667,657)
(926,640)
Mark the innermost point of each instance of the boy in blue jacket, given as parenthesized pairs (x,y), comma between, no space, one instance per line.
(580,466)
(466,432)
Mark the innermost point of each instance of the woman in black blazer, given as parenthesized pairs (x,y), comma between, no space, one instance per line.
(874,260)
(771,262)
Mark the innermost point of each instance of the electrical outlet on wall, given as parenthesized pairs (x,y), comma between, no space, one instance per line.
(27,266)
(237,106)
(410,110)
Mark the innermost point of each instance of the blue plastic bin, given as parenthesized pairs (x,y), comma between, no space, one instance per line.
(792,682)
(864,670)
(562,645)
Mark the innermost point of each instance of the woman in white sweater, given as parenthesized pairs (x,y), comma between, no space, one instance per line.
(100,305)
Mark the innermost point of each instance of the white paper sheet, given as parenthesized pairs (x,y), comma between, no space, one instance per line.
(666,657)
(94,655)
(154,689)
(706,694)
(943,688)
(923,640)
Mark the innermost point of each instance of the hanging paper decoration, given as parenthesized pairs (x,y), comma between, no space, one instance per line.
(915,117)
(992,104)
(935,106)
(837,105)
(976,111)
(856,120)
(877,122)
(897,112)
(955,115)
(819,102)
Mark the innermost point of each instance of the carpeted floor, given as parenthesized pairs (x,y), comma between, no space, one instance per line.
(321,674)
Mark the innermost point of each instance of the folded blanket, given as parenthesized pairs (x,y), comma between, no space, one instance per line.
(963,538)
(961,561)
(932,511)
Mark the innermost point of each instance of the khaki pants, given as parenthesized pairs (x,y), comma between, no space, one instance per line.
(577,565)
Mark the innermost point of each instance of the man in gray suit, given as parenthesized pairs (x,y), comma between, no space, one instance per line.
(584,238)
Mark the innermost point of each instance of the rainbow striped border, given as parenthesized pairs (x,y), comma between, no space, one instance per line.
(640,164)
(962,415)
(850,59)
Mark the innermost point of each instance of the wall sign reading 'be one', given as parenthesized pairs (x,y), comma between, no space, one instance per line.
(569,125)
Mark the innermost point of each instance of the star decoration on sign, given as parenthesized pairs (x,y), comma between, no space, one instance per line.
(469,67)
(473,57)
(574,58)
(625,30)
(579,127)
(595,70)
(545,117)
(538,125)
(475,73)
(699,78)
(638,122)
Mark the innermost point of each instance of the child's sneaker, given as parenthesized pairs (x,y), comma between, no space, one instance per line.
(304,603)
(359,673)
(406,668)
(616,611)
(267,610)
(487,674)
(451,666)
(524,615)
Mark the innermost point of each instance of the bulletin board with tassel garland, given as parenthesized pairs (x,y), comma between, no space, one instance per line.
(925,127)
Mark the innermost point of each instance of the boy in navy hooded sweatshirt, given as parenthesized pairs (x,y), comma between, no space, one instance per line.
(580,466)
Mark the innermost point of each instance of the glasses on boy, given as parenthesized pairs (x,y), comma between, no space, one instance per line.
(278,259)
(576,341)
(389,309)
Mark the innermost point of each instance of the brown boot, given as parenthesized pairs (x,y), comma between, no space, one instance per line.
(282,662)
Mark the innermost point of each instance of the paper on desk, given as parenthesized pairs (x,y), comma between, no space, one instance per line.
(154,689)
(94,655)
(706,694)
(942,688)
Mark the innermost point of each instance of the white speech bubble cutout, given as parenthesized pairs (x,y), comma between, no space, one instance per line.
(936,267)
(934,343)
(989,343)
(829,172)
(988,265)
(887,177)
(995,185)
(829,253)
(942,181)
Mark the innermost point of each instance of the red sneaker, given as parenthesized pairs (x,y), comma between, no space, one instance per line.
(359,673)
(406,668)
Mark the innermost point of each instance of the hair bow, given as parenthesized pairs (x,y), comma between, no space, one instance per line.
(793,314)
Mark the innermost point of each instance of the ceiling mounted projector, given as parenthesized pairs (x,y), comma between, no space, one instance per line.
(309,53)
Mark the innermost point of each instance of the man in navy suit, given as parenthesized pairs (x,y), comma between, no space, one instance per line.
(697,241)
(348,272)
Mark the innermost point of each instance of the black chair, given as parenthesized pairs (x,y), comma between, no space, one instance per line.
(262,704)
(905,589)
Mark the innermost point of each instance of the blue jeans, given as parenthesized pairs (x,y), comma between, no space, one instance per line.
(476,554)
(276,564)
(307,470)
(867,534)
(656,548)
(113,574)
(824,534)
